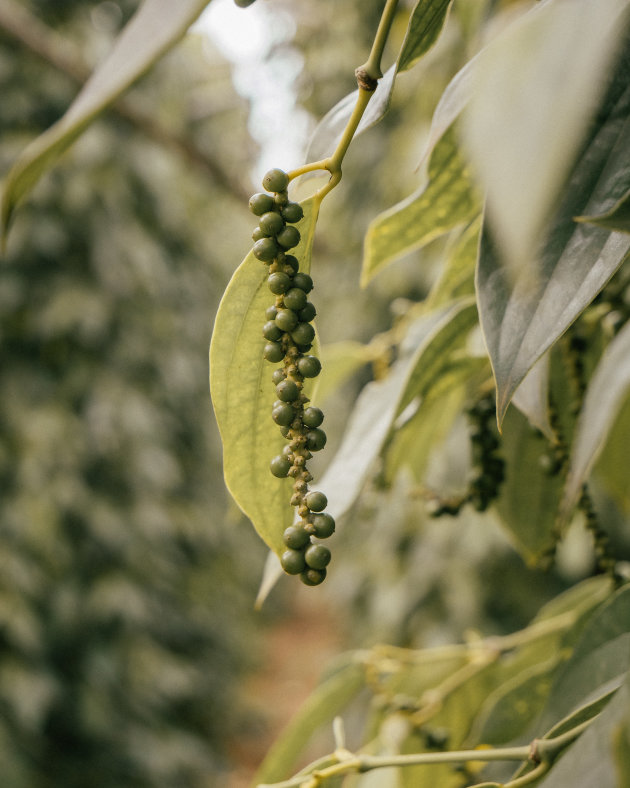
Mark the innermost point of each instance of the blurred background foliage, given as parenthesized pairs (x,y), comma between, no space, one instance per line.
(127,583)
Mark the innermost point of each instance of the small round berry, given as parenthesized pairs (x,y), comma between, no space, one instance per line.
(278,282)
(312,417)
(281,198)
(295,299)
(271,331)
(286,320)
(278,375)
(295,537)
(287,391)
(292,212)
(293,561)
(283,415)
(271,223)
(271,312)
(290,261)
(285,431)
(275,180)
(303,281)
(257,234)
(309,366)
(288,237)
(307,313)
(287,452)
(315,440)
(313,577)
(316,501)
(260,203)
(279,466)
(317,556)
(303,349)
(302,334)
(266,249)
(273,352)
(323,525)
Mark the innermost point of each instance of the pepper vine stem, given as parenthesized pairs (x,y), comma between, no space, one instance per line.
(541,753)
(367,78)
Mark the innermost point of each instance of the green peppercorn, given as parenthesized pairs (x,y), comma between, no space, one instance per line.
(292,262)
(283,415)
(313,577)
(295,537)
(317,556)
(287,391)
(302,334)
(295,299)
(285,431)
(260,203)
(304,349)
(278,282)
(266,249)
(303,281)
(315,440)
(257,234)
(271,312)
(281,198)
(278,375)
(275,180)
(273,352)
(312,417)
(293,561)
(288,237)
(316,501)
(309,366)
(271,331)
(323,525)
(286,320)
(292,212)
(271,223)
(307,313)
(279,466)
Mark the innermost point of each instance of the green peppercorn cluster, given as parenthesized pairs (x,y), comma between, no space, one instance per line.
(289,334)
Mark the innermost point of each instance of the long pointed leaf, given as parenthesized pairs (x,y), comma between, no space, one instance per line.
(155,28)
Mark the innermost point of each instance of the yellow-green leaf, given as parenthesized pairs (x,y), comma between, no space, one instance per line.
(448,199)
(242,392)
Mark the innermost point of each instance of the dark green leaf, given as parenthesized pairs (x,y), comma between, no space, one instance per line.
(425,25)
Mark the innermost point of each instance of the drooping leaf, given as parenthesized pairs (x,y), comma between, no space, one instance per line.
(523,315)
(606,393)
(380,402)
(425,24)
(617,218)
(152,31)
(242,393)
(448,199)
(534,93)
(532,397)
(327,701)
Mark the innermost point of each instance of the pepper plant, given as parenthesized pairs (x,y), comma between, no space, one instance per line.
(523,332)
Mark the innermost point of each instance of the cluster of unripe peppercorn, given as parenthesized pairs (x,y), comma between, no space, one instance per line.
(289,336)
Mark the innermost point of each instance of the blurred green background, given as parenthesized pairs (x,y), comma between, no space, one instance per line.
(130,653)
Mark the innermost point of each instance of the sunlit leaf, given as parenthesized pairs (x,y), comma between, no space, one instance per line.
(457,276)
(448,199)
(152,31)
(340,360)
(606,393)
(522,316)
(242,393)
(534,93)
(425,25)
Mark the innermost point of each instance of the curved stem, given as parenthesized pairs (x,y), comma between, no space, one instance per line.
(372,66)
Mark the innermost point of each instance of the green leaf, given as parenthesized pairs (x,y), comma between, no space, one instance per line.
(611,468)
(617,218)
(532,397)
(322,706)
(380,402)
(340,360)
(152,31)
(425,24)
(606,393)
(448,199)
(242,392)
(534,93)
(523,315)
(529,497)
(457,276)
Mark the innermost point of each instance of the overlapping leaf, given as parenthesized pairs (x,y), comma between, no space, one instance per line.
(156,26)
(448,199)
(242,393)
(523,315)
